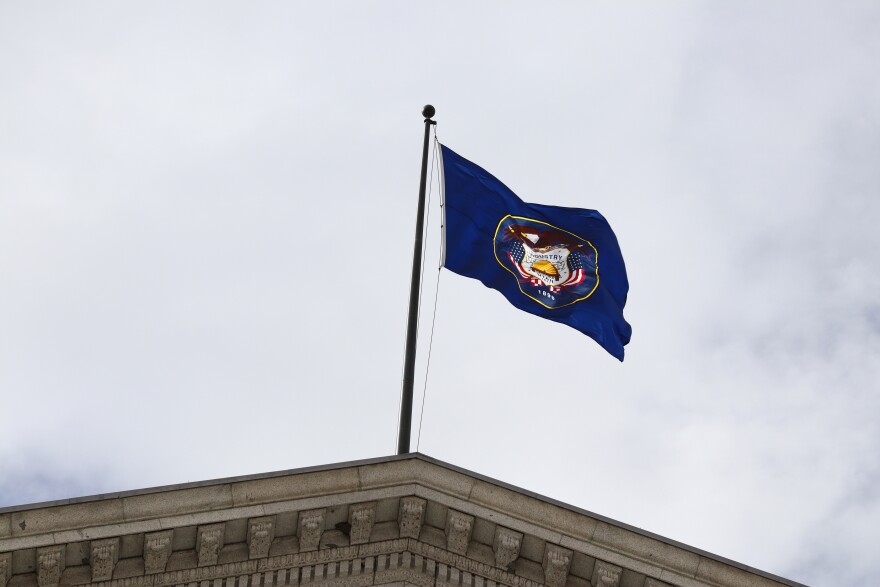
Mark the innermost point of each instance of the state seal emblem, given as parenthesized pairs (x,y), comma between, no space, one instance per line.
(552,266)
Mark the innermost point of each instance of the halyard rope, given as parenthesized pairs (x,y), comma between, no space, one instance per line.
(436,288)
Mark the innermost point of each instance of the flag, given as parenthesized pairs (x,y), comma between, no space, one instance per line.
(563,264)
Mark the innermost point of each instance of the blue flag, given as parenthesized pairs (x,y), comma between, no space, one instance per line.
(563,264)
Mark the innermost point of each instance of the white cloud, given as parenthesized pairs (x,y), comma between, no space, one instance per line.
(205,232)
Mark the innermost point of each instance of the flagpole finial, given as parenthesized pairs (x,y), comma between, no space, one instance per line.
(428,111)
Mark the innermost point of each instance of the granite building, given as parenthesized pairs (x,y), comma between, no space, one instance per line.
(402,520)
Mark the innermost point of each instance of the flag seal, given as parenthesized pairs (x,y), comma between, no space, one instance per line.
(552,266)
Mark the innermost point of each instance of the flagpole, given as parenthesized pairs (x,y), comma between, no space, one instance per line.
(412,321)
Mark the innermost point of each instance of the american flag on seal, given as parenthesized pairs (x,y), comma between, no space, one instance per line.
(517,253)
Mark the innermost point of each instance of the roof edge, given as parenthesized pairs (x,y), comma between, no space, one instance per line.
(217,481)
(398,458)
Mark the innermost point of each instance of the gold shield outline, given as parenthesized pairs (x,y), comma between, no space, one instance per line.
(518,284)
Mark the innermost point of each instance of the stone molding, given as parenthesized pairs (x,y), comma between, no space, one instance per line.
(361,565)
(356,566)
(414,481)
(453,565)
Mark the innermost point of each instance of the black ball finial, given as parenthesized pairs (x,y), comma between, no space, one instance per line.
(428,111)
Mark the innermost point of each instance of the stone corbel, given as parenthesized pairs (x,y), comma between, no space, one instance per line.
(5,568)
(209,542)
(105,553)
(458,531)
(506,546)
(157,549)
(411,516)
(261,532)
(361,517)
(606,575)
(311,526)
(50,564)
(557,561)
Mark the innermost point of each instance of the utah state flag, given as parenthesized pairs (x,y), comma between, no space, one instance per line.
(563,264)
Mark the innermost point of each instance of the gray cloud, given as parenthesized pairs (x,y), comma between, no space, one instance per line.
(32,476)
(205,227)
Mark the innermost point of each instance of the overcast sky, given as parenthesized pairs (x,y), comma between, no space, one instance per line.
(206,223)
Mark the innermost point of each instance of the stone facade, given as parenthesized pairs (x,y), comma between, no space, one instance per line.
(407,520)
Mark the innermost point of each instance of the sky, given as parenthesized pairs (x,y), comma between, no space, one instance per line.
(207,212)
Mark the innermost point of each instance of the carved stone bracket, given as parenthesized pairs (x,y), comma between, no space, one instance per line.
(157,549)
(105,553)
(461,552)
(506,546)
(411,516)
(400,560)
(361,517)
(5,568)
(557,561)
(50,564)
(458,531)
(311,526)
(606,575)
(261,532)
(209,541)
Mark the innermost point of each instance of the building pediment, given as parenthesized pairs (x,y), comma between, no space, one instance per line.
(407,519)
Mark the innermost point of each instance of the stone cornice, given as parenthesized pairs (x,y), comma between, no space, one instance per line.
(410,480)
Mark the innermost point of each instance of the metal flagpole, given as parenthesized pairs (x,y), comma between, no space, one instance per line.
(412,321)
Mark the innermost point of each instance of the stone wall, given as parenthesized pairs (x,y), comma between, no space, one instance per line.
(402,520)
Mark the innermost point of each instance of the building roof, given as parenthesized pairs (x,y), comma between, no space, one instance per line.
(393,520)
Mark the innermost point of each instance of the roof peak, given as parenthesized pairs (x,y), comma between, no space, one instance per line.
(458,513)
